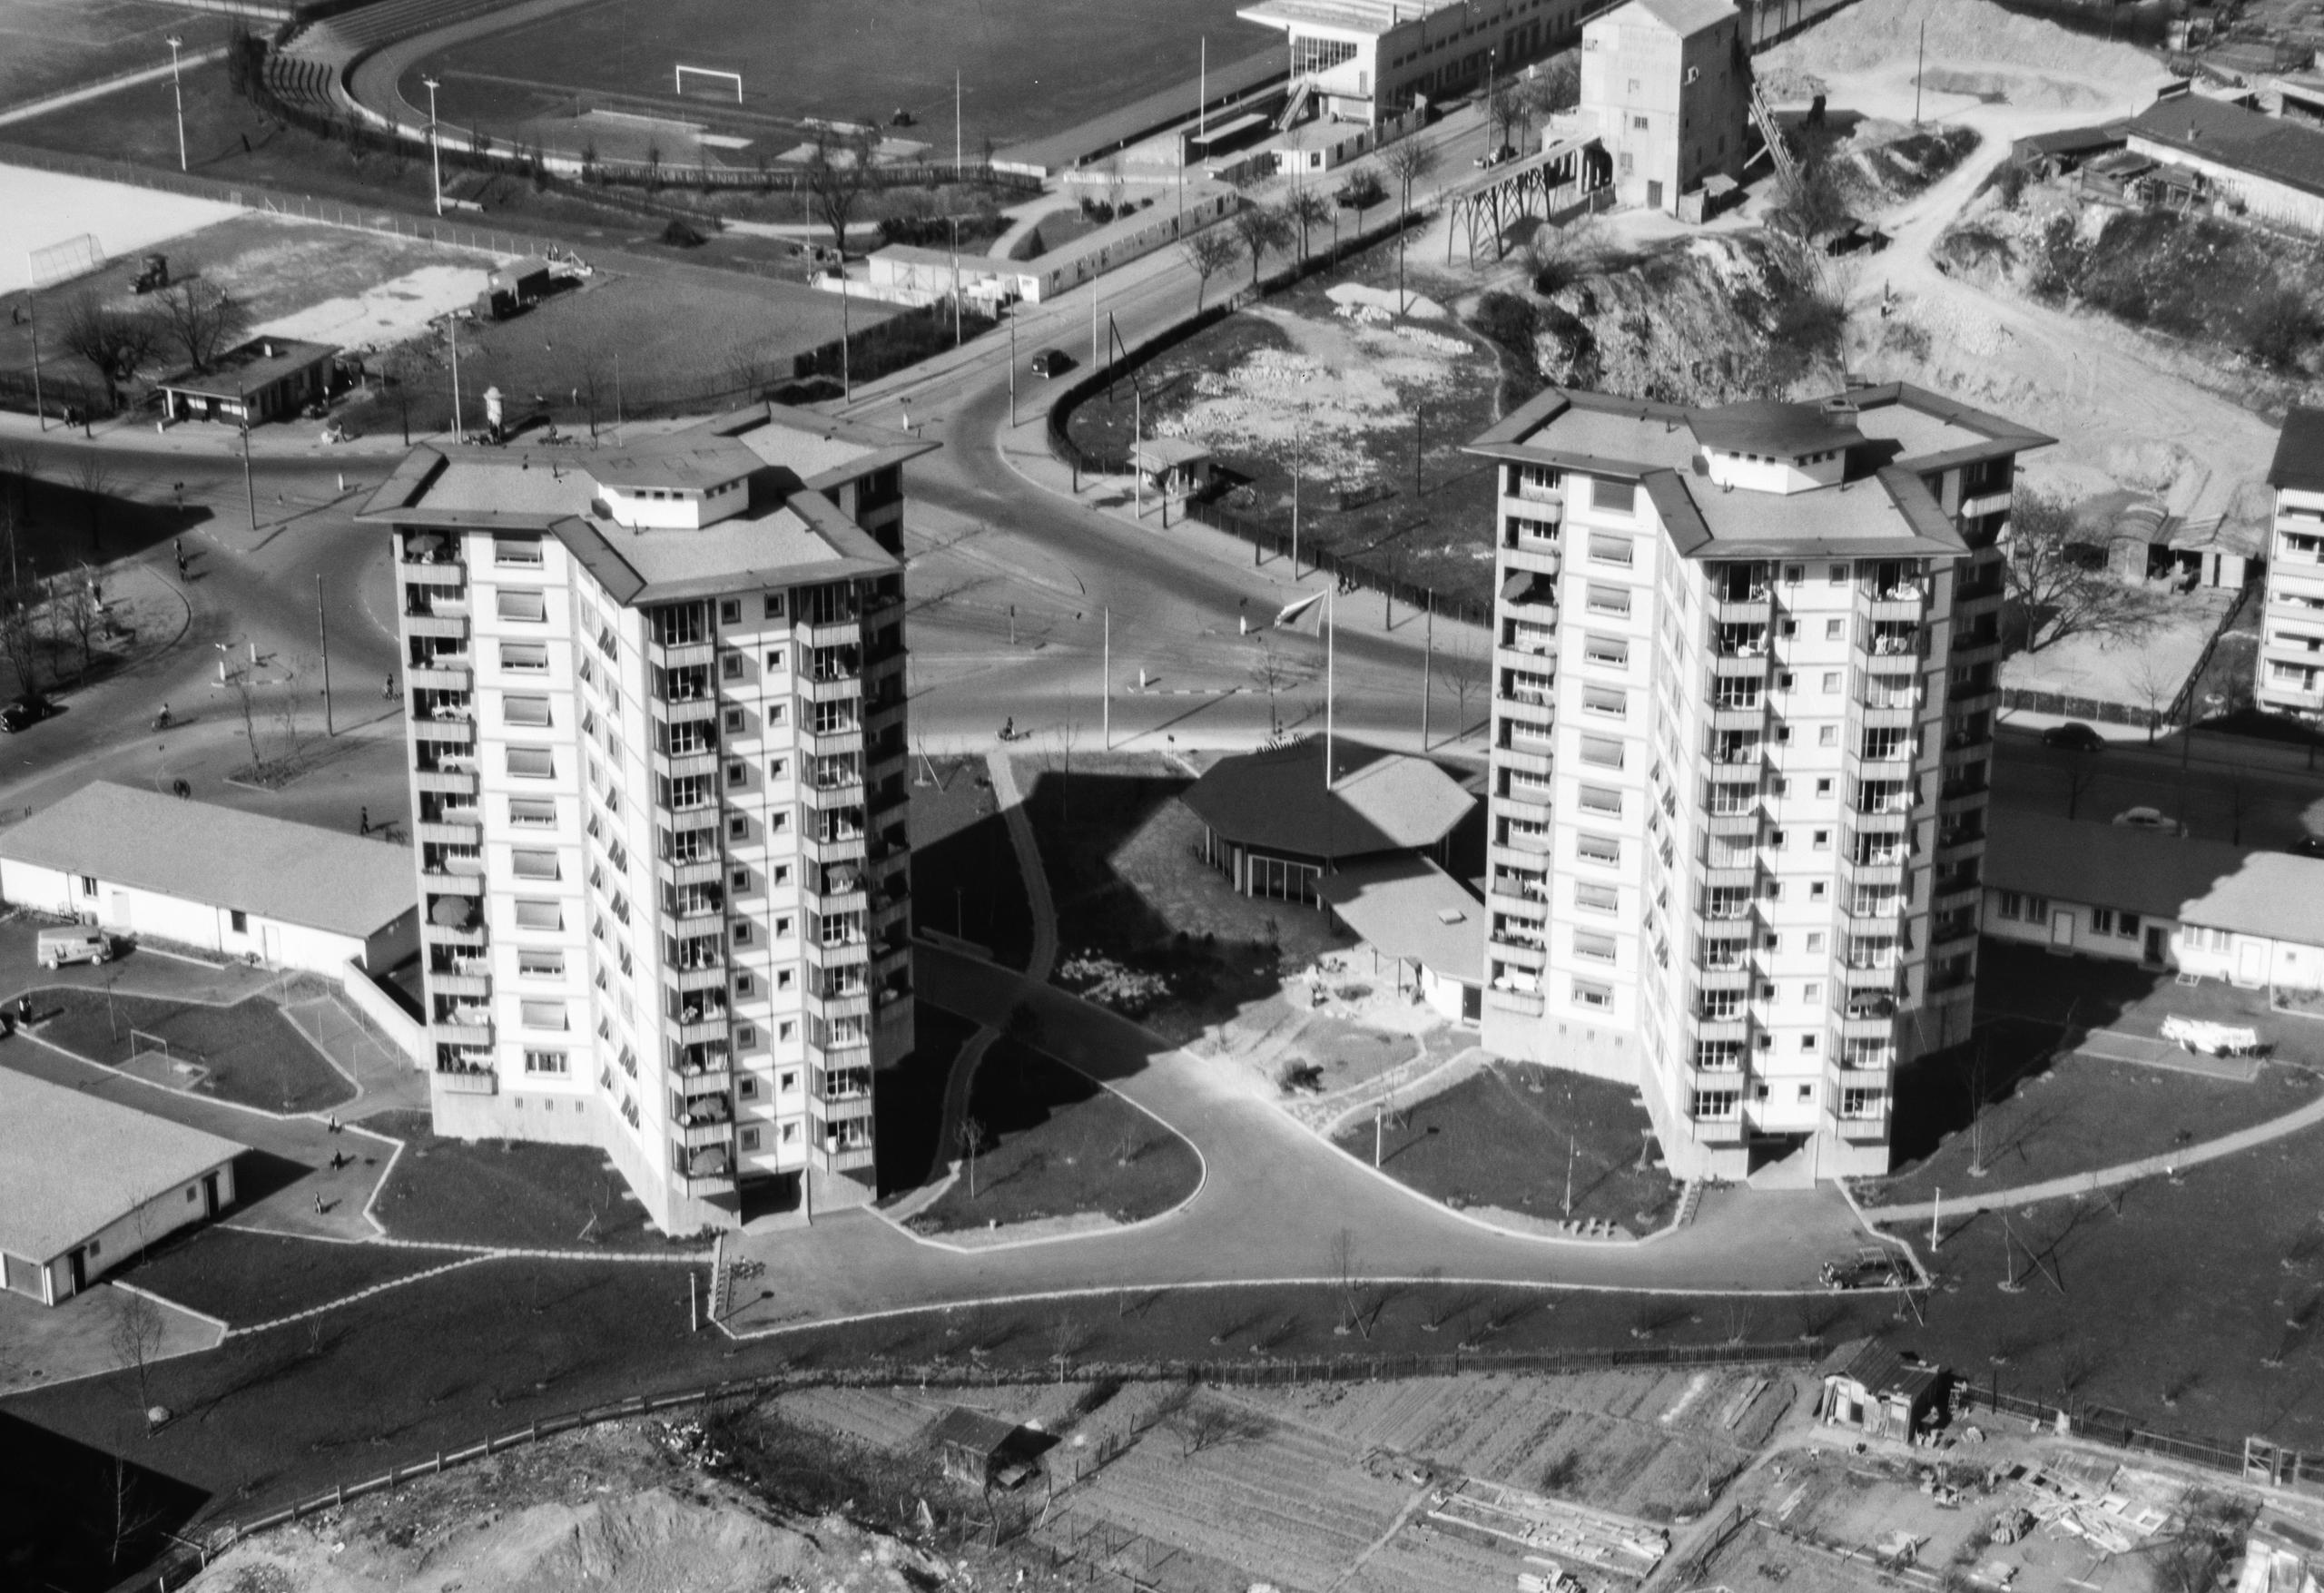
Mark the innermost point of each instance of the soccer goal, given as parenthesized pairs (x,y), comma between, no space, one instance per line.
(141,1041)
(717,77)
(63,262)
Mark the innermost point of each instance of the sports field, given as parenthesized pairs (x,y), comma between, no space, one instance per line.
(47,46)
(1027,66)
(47,209)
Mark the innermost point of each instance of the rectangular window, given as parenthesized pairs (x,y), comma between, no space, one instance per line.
(738,828)
(1610,550)
(737,772)
(1609,600)
(531,763)
(552,1063)
(1609,701)
(525,657)
(541,1013)
(527,710)
(774,606)
(750,1139)
(533,865)
(1591,897)
(1593,948)
(515,550)
(534,914)
(1606,651)
(1832,629)
(531,607)
(534,812)
(731,667)
(1589,993)
(774,660)
(729,611)
(2129,927)
(1599,798)
(1603,752)
(2102,920)
(238,920)
(540,965)
(742,932)
(1597,849)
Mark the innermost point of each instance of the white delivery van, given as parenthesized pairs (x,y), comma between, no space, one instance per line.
(77,943)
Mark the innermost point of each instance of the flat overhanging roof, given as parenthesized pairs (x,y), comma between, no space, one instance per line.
(1361,18)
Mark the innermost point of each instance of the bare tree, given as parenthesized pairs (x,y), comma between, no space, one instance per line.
(1511,104)
(840,167)
(1347,1276)
(971,1141)
(246,699)
(82,609)
(20,635)
(1261,227)
(1556,85)
(1409,161)
(1068,1339)
(2157,688)
(1464,668)
(114,342)
(1210,252)
(2057,589)
(1813,202)
(200,322)
(135,1336)
(1306,210)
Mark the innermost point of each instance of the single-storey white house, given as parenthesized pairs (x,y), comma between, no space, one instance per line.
(1407,909)
(85,1184)
(2237,913)
(136,862)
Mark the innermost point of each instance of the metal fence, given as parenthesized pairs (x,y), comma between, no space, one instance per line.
(181,1566)
(2103,1425)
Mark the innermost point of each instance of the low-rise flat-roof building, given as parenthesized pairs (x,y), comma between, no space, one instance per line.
(1407,909)
(266,378)
(2291,626)
(2132,895)
(1363,60)
(240,884)
(87,1184)
(1274,826)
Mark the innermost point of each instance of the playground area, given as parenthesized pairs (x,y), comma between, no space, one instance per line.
(250,1053)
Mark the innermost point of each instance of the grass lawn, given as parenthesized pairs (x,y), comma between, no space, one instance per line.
(52,48)
(2047,1112)
(248,1278)
(255,1057)
(507,1192)
(908,1106)
(1499,1138)
(1290,384)
(2222,1273)
(1115,844)
(1057,1143)
(964,875)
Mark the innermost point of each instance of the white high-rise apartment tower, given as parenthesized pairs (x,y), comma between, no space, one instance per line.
(656,701)
(1744,684)
(2290,665)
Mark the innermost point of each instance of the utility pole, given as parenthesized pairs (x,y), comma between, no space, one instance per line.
(1920,69)
(1012,365)
(959,155)
(956,280)
(434,143)
(1295,522)
(1569,1174)
(250,492)
(1137,445)
(452,337)
(1093,324)
(1330,644)
(40,410)
(322,641)
(1427,661)
(846,371)
(1935,1207)
(1105,686)
(177,92)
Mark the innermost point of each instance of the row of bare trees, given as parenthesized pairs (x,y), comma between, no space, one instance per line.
(189,323)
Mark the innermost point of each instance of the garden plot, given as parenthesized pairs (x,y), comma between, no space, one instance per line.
(1275,1502)
(1600,1438)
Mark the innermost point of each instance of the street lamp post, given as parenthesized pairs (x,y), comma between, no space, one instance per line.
(434,145)
(177,90)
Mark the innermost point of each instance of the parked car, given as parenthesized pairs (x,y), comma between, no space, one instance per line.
(2308,846)
(25,712)
(1866,1269)
(2074,736)
(1052,362)
(53,949)
(1487,161)
(2146,818)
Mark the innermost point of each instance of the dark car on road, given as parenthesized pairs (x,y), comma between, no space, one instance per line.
(1052,362)
(2308,846)
(25,712)
(2074,736)
(1866,1269)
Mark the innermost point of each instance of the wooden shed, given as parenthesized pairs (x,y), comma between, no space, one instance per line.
(1880,1391)
(981,1450)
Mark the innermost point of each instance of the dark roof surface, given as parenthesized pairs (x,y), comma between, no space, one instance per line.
(1378,801)
(972,1429)
(241,371)
(1879,1369)
(2299,452)
(2160,875)
(2285,151)
(1766,426)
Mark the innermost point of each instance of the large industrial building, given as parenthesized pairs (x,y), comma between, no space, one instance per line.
(1364,60)
(1744,685)
(1666,86)
(2292,640)
(656,700)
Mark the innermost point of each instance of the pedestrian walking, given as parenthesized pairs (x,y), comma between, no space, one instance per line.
(389,693)
(319,1205)
(180,566)
(25,1010)
(177,544)
(364,824)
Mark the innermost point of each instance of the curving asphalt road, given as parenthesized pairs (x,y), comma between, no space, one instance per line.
(1273,1199)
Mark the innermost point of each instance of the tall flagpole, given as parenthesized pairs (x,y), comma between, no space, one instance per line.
(1330,644)
(958,151)
(1427,662)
